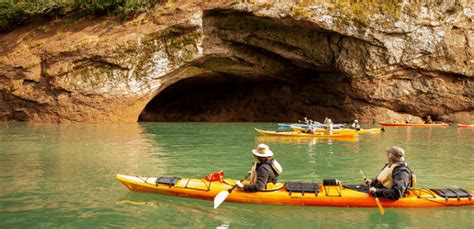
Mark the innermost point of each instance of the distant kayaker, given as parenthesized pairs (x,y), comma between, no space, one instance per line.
(395,178)
(428,120)
(356,125)
(309,130)
(306,121)
(408,119)
(325,120)
(265,170)
(329,126)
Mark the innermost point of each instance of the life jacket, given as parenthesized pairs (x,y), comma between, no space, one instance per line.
(385,176)
(276,167)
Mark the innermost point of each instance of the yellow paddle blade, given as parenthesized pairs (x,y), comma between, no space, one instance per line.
(381,209)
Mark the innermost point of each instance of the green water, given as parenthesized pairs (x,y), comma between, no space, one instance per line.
(55,175)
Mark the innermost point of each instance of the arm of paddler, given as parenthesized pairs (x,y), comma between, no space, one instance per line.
(262,178)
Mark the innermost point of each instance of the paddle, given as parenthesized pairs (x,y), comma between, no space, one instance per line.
(377,201)
(221,196)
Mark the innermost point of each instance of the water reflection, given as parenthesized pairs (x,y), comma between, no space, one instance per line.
(51,165)
(465,134)
(65,149)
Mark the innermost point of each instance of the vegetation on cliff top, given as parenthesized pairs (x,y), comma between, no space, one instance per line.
(18,12)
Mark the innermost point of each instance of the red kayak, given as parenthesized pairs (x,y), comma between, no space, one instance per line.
(465,126)
(414,124)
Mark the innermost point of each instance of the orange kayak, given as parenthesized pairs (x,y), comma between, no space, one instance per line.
(299,134)
(465,126)
(414,124)
(296,193)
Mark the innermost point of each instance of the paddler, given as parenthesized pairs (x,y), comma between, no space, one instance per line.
(395,178)
(329,127)
(428,120)
(356,125)
(265,170)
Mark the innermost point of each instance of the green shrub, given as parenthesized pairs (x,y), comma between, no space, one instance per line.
(132,7)
(16,12)
(10,16)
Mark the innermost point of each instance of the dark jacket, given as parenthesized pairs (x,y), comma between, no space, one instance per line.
(401,176)
(265,174)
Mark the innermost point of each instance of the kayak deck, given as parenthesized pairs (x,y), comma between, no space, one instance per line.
(345,131)
(299,134)
(326,195)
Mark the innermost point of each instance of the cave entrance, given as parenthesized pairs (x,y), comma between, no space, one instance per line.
(258,70)
(233,98)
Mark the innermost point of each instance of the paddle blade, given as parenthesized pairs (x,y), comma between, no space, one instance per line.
(381,209)
(362,173)
(221,196)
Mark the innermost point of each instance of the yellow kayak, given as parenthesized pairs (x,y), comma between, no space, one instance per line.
(371,130)
(299,134)
(327,193)
(293,140)
(343,131)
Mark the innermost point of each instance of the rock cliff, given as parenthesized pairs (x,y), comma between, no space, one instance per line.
(245,61)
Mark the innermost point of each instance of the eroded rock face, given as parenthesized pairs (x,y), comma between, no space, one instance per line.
(228,61)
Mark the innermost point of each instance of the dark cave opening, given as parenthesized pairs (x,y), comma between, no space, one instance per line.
(233,98)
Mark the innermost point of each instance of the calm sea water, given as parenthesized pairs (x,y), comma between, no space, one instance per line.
(63,175)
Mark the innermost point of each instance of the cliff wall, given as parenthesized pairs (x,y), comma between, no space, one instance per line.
(245,61)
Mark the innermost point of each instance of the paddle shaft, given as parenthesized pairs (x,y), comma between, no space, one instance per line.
(377,201)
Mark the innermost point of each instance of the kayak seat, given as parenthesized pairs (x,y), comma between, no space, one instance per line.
(449,193)
(359,188)
(170,181)
(299,187)
(271,187)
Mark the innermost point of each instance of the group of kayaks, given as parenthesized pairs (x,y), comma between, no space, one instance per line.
(327,193)
(337,133)
(316,130)
(297,130)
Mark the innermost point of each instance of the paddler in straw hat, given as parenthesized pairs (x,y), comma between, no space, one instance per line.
(265,170)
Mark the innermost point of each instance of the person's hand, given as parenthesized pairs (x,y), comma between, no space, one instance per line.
(239,184)
(367,181)
(372,190)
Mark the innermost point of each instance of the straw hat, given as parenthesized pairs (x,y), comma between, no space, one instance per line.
(262,151)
